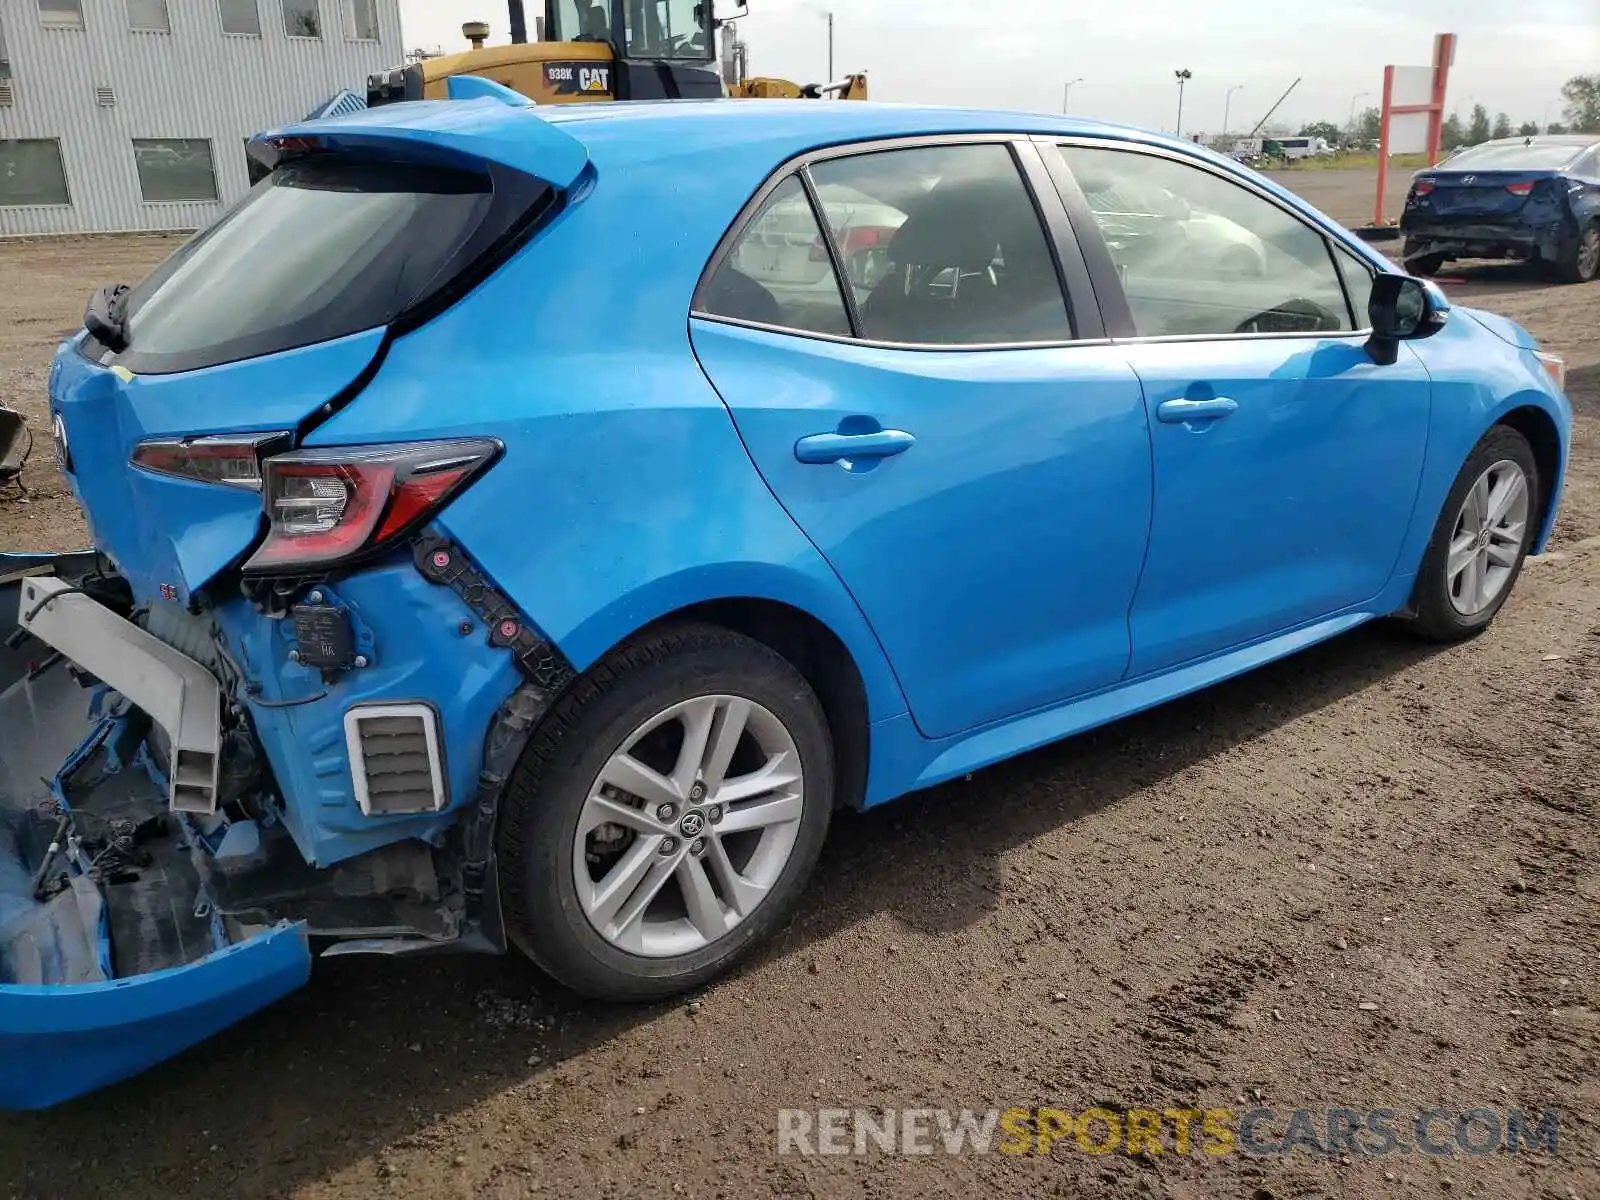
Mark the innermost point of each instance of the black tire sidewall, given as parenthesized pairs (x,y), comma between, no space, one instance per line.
(547,921)
(1436,615)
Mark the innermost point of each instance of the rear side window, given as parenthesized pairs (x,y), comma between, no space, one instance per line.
(942,246)
(315,251)
(779,272)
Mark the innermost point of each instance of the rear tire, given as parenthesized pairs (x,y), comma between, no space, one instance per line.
(1581,264)
(570,840)
(1480,540)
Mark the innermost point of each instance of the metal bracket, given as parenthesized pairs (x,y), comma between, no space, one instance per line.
(177,693)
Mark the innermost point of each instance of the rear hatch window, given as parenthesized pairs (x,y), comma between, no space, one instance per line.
(316,251)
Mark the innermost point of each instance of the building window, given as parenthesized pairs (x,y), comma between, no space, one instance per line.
(61,14)
(149,16)
(172,169)
(240,16)
(361,20)
(301,18)
(31,173)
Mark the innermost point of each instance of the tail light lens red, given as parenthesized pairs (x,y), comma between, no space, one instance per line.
(328,505)
(1423,187)
(851,241)
(1519,189)
(227,460)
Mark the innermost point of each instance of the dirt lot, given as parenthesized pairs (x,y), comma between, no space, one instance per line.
(1364,877)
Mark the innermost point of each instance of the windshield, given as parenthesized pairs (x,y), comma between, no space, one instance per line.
(669,29)
(315,251)
(1515,156)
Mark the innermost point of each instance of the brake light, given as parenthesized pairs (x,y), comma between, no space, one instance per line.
(1424,187)
(1519,189)
(330,505)
(852,241)
(232,461)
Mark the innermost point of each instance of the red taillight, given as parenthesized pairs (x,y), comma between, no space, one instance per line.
(328,505)
(1519,189)
(1423,187)
(852,241)
(233,461)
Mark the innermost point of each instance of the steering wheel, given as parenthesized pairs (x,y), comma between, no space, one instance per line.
(1295,315)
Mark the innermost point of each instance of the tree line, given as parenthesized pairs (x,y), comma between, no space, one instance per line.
(1580,114)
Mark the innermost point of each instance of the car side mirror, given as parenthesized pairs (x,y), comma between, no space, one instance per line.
(1400,309)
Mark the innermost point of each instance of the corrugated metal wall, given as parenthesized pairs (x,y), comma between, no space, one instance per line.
(194,82)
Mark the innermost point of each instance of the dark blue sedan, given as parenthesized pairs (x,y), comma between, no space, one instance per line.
(1533,198)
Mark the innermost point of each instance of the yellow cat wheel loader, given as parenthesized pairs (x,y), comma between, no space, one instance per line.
(587,50)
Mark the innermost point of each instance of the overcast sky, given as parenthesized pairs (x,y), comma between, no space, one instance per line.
(1513,54)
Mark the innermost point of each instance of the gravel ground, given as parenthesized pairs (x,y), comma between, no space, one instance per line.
(1366,876)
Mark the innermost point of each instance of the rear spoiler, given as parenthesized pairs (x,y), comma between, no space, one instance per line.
(484,121)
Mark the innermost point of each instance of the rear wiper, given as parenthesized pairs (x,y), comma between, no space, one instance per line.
(103,316)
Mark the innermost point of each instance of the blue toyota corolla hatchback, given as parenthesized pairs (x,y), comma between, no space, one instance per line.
(523,528)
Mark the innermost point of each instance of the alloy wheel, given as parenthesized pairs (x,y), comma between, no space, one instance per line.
(1589,252)
(1487,540)
(688,826)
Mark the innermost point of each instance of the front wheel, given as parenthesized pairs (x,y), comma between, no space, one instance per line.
(1481,539)
(666,815)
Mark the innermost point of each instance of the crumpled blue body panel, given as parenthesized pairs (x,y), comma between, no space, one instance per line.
(60,1042)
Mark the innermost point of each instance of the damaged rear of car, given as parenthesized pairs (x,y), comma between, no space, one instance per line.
(276,702)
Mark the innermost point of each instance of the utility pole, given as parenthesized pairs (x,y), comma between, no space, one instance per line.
(830,47)
(1227,106)
(1183,75)
(1066,92)
(1350,129)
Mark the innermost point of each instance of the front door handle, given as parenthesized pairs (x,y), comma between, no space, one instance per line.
(843,447)
(1181,412)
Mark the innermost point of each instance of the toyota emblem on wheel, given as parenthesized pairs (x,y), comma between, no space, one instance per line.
(694,824)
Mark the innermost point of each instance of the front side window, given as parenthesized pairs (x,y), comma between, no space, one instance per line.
(301,18)
(361,20)
(61,14)
(149,16)
(669,29)
(942,246)
(1358,276)
(779,272)
(174,169)
(1199,255)
(31,173)
(240,16)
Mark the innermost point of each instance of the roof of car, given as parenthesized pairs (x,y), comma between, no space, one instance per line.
(780,128)
(1543,139)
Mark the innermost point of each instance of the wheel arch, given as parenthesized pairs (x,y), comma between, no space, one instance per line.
(816,627)
(1544,436)
(817,653)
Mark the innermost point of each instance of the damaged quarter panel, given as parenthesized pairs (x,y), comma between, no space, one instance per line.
(422,644)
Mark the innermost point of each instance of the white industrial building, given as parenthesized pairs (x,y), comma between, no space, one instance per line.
(132,114)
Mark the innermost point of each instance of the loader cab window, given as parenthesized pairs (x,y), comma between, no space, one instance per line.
(669,29)
(579,21)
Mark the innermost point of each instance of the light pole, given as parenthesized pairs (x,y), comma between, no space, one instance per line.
(1227,104)
(1183,75)
(830,47)
(1546,126)
(1066,92)
(1350,129)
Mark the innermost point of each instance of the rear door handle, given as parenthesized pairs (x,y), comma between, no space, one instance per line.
(1180,412)
(838,447)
